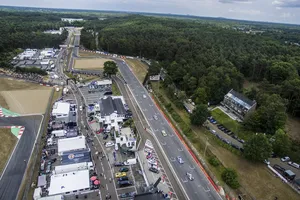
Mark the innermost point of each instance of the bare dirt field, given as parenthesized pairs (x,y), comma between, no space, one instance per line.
(139,68)
(90,63)
(8,142)
(23,97)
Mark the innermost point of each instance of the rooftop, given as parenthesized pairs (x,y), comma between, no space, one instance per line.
(104,82)
(240,98)
(110,105)
(126,131)
(68,182)
(61,108)
(70,144)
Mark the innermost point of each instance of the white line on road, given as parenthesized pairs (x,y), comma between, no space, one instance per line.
(106,186)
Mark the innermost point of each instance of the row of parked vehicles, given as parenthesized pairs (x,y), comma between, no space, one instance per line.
(122,177)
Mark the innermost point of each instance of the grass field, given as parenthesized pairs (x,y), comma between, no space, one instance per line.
(139,68)
(256,180)
(293,128)
(90,63)
(8,142)
(88,54)
(23,97)
(230,124)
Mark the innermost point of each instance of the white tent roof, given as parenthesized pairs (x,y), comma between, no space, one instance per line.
(71,144)
(61,108)
(68,182)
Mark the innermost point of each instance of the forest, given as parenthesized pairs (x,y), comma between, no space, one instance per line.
(205,61)
(25,30)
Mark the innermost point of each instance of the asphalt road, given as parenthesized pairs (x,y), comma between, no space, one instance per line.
(12,176)
(200,188)
(140,123)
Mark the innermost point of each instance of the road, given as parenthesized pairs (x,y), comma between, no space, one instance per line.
(102,166)
(200,188)
(12,176)
(140,123)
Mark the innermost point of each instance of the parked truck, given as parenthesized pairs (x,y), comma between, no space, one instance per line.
(130,161)
(73,167)
(59,133)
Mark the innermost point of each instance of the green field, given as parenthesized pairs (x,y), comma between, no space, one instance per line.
(230,124)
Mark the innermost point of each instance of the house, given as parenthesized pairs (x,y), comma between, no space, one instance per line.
(238,103)
(126,139)
(70,183)
(112,111)
(61,111)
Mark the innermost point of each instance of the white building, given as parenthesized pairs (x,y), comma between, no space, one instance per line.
(70,144)
(126,138)
(61,111)
(69,183)
(70,20)
(47,53)
(104,83)
(27,54)
(112,111)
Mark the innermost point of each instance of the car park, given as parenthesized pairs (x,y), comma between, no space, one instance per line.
(190,176)
(124,178)
(163,132)
(285,159)
(180,160)
(296,165)
(123,169)
(120,174)
(154,170)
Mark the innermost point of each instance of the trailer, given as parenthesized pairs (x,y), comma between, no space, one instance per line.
(59,133)
(73,167)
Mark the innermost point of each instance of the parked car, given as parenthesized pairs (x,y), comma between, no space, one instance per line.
(180,160)
(105,136)
(152,161)
(278,168)
(241,141)
(124,183)
(234,136)
(124,178)
(149,156)
(123,169)
(285,159)
(226,141)
(163,132)
(120,174)
(127,195)
(190,176)
(109,144)
(118,164)
(152,169)
(235,146)
(296,165)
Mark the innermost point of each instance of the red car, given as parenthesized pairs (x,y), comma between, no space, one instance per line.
(149,156)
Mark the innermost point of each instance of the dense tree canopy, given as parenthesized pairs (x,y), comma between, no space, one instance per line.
(110,68)
(200,55)
(199,115)
(258,148)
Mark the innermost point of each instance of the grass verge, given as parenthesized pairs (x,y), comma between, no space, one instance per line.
(8,142)
(252,176)
(115,89)
(230,124)
(139,68)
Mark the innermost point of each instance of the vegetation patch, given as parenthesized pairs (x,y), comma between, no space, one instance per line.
(139,68)
(8,142)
